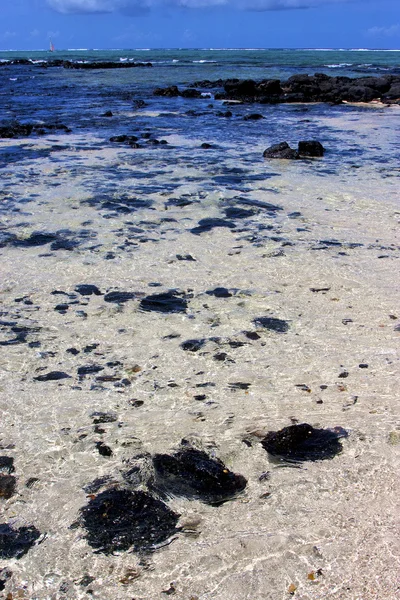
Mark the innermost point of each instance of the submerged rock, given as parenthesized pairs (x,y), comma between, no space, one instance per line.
(193,474)
(14,543)
(167,302)
(302,442)
(119,519)
(273,324)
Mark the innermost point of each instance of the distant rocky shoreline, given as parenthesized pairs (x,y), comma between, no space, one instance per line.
(298,88)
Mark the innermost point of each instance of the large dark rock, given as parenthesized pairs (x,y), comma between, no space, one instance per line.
(269,87)
(359,93)
(191,93)
(311,148)
(241,88)
(119,519)
(14,543)
(302,442)
(393,93)
(193,474)
(282,150)
(170,92)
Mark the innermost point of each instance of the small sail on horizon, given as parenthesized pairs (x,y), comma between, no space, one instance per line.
(51,46)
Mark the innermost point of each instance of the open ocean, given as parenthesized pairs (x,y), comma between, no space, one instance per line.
(170,298)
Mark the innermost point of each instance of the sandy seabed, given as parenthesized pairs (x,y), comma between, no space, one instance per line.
(322,530)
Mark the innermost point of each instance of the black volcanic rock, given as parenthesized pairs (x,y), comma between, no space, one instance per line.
(302,442)
(311,148)
(193,474)
(118,519)
(281,150)
(169,92)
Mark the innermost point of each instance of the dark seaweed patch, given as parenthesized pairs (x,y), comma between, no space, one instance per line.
(64,244)
(193,345)
(8,485)
(53,376)
(219,292)
(35,239)
(209,224)
(273,324)
(167,302)
(103,417)
(118,520)
(6,464)
(259,204)
(193,474)
(302,442)
(87,289)
(234,212)
(14,543)
(119,297)
(89,370)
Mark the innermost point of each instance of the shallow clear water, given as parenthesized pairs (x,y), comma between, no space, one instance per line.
(127,220)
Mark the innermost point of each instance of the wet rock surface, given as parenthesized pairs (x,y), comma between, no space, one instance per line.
(193,474)
(118,520)
(281,150)
(302,442)
(14,543)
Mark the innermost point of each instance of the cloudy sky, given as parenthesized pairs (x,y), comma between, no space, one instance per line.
(29,24)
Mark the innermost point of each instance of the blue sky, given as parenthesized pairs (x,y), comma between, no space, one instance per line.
(29,24)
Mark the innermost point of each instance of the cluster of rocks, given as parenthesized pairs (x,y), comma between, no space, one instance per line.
(306,148)
(298,88)
(69,64)
(17,130)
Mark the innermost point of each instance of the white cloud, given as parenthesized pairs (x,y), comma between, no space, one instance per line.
(7,35)
(108,6)
(384,31)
